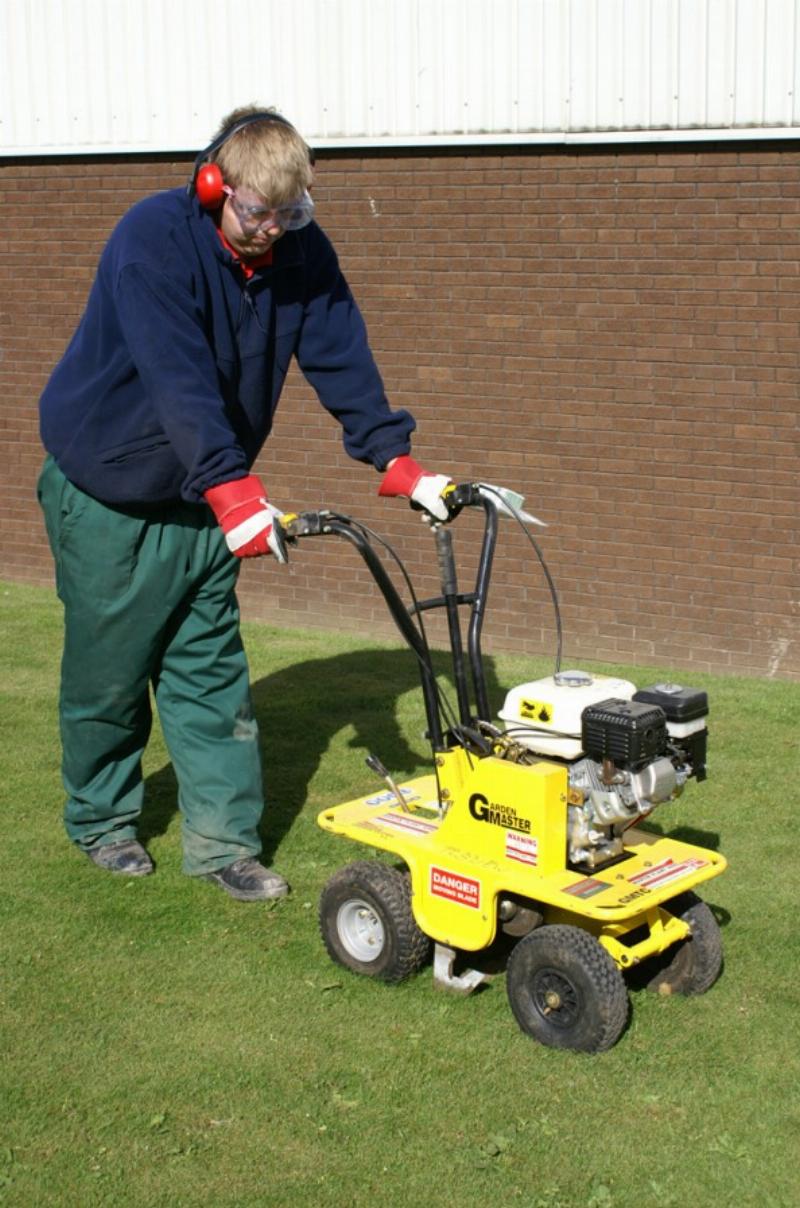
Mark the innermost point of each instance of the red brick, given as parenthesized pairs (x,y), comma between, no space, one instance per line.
(613,331)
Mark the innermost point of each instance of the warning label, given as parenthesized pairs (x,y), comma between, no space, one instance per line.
(537,710)
(666,871)
(406,822)
(455,887)
(522,849)
(586,888)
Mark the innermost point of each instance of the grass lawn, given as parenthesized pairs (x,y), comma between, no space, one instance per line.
(165,1045)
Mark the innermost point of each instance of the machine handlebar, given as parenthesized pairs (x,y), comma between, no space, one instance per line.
(311,524)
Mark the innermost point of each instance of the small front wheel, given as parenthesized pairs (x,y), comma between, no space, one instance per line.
(694,964)
(367,923)
(566,991)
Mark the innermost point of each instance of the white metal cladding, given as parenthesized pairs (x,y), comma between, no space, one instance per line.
(157,75)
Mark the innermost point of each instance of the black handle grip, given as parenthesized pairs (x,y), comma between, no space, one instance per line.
(374,764)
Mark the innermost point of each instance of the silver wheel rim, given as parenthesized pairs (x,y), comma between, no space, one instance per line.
(360,930)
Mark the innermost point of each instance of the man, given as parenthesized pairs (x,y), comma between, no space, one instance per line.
(151,422)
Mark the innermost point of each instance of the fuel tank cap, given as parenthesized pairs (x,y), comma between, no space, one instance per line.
(573,679)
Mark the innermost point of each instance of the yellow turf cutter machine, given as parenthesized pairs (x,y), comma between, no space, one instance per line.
(525,834)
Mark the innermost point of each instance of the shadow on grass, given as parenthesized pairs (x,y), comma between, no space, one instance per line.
(684,834)
(300,710)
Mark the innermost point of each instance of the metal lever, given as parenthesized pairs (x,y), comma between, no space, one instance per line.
(374,764)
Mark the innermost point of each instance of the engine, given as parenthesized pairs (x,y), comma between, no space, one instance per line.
(626,751)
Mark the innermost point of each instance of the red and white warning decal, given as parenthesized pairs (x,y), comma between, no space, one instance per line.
(586,888)
(522,848)
(406,822)
(666,871)
(455,887)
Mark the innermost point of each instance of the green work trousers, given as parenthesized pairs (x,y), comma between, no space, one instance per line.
(149,600)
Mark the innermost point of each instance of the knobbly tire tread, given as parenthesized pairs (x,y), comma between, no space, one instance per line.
(576,955)
(387,891)
(693,965)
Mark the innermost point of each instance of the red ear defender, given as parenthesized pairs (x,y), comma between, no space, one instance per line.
(208,187)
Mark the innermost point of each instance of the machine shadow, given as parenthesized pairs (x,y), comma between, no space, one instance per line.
(685,834)
(300,709)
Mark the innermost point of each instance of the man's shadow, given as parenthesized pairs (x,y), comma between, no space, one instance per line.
(301,708)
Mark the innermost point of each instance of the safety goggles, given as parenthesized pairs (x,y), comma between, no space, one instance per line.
(291,217)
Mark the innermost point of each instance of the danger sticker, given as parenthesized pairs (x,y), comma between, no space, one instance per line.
(586,888)
(522,848)
(455,887)
(666,871)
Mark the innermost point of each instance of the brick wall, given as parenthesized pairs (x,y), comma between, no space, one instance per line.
(614,332)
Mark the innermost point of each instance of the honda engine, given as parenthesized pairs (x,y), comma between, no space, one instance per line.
(626,751)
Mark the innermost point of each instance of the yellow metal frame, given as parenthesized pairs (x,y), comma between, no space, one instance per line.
(479,829)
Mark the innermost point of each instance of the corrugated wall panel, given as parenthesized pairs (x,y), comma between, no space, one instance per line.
(152,75)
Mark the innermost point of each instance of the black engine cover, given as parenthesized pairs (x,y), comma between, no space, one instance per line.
(679,704)
(628,732)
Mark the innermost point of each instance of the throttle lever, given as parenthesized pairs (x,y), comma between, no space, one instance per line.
(374,764)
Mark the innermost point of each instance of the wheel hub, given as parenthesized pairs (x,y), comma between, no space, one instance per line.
(360,930)
(556,998)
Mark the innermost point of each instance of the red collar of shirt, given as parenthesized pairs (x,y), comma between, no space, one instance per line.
(249,265)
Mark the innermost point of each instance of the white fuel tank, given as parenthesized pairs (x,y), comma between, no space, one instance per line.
(545,715)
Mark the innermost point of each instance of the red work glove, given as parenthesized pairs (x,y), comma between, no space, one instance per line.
(246,517)
(406,477)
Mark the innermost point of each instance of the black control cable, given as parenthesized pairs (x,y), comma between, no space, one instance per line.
(537,549)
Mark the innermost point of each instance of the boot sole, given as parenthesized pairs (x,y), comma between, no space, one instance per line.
(248,895)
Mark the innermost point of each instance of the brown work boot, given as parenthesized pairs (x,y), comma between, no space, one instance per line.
(249,881)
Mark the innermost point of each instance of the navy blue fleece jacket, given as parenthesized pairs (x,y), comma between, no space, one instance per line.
(171,380)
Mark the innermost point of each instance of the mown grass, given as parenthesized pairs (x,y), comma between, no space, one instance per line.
(164,1045)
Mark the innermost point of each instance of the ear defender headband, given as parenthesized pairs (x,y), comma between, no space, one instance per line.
(207,180)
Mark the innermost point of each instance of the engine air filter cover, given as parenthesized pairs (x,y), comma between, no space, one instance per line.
(628,732)
(679,704)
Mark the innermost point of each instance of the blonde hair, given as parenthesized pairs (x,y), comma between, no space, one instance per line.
(269,157)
